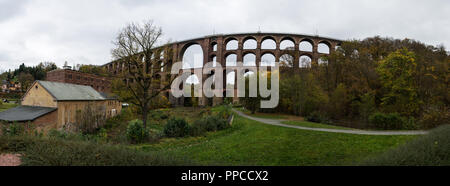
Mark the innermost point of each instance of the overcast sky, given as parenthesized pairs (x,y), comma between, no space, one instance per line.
(81,31)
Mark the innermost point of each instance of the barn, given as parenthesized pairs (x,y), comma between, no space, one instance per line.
(48,105)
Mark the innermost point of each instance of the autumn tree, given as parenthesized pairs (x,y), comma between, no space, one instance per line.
(397,73)
(135,50)
(25,80)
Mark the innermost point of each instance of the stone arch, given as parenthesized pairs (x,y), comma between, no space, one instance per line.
(214,46)
(268,59)
(231,78)
(230,59)
(192,80)
(250,43)
(192,56)
(324,47)
(231,44)
(268,43)
(306,45)
(305,61)
(287,43)
(286,60)
(249,59)
(213,59)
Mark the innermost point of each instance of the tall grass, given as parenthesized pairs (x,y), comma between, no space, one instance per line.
(430,150)
(60,152)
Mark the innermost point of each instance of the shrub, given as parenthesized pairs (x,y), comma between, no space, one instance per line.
(176,128)
(13,129)
(136,132)
(209,124)
(391,121)
(432,149)
(60,152)
(318,117)
(433,117)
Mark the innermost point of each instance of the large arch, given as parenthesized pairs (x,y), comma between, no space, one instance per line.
(306,45)
(249,59)
(324,47)
(305,61)
(232,44)
(250,43)
(268,43)
(192,56)
(231,59)
(287,44)
(268,59)
(286,60)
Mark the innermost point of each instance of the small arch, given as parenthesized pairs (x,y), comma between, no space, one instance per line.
(192,80)
(323,47)
(231,59)
(305,61)
(287,44)
(231,78)
(286,60)
(214,46)
(268,59)
(232,44)
(161,55)
(306,45)
(249,59)
(192,56)
(268,43)
(323,61)
(250,43)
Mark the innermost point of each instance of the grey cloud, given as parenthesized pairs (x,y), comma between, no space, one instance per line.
(81,31)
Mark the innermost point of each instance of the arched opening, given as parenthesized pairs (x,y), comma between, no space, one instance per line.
(287,44)
(193,57)
(232,44)
(323,48)
(214,60)
(323,61)
(305,61)
(231,60)
(250,44)
(192,80)
(162,66)
(214,47)
(268,59)
(286,60)
(231,78)
(269,43)
(249,59)
(306,46)
(161,55)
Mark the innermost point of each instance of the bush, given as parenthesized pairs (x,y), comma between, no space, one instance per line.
(432,149)
(176,128)
(391,121)
(318,117)
(209,124)
(60,152)
(433,117)
(13,129)
(136,132)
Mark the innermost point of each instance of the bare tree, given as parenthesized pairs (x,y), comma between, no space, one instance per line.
(135,49)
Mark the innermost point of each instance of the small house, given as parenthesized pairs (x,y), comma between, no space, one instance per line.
(49,105)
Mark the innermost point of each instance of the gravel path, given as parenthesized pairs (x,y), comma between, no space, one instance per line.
(360,132)
(10,159)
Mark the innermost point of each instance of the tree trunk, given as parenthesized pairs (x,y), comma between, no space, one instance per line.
(144,116)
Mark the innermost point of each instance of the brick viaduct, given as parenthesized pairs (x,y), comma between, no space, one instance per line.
(219,47)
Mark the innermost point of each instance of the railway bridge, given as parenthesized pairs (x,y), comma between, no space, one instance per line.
(253,49)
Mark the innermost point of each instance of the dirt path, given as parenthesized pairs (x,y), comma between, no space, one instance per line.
(10,160)
(359,132)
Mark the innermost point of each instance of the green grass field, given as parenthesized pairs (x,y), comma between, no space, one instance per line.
(6,106)
(252,143)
